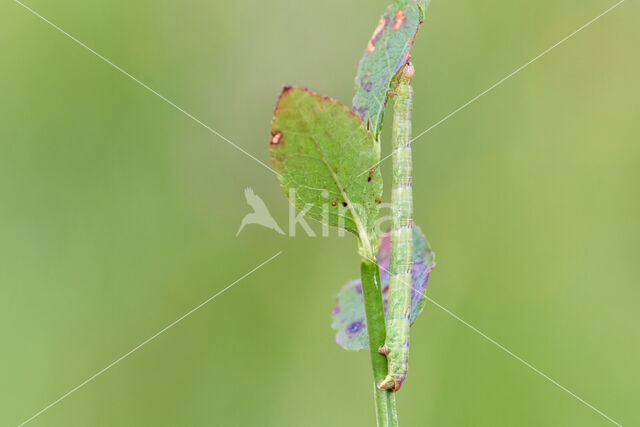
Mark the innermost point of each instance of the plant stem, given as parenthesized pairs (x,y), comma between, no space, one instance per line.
(385,400)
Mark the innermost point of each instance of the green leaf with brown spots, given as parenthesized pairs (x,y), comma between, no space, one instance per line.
(319,148)
(387,51)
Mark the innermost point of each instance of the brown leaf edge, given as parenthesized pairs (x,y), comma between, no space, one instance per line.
(276,135)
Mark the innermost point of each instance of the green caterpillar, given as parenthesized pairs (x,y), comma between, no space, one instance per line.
(396,346)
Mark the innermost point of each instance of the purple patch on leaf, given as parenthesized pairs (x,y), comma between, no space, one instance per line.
(350,300)
(361,112)
(336,310)
(354,327)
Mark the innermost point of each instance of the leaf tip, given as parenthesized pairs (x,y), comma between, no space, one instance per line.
(286,89)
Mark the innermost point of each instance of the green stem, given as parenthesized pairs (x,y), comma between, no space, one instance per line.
(401,246)
(386,412)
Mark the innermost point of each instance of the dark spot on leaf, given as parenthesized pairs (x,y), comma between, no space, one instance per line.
(367,86)
(276,137)
(354,327)
(369,178)
(344,204)
(333,203)
(378,201)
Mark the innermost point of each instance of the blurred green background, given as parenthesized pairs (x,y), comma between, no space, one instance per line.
(118,214)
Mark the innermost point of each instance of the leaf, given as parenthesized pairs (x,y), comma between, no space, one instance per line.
(387,51)
(348,314)
(319,148)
